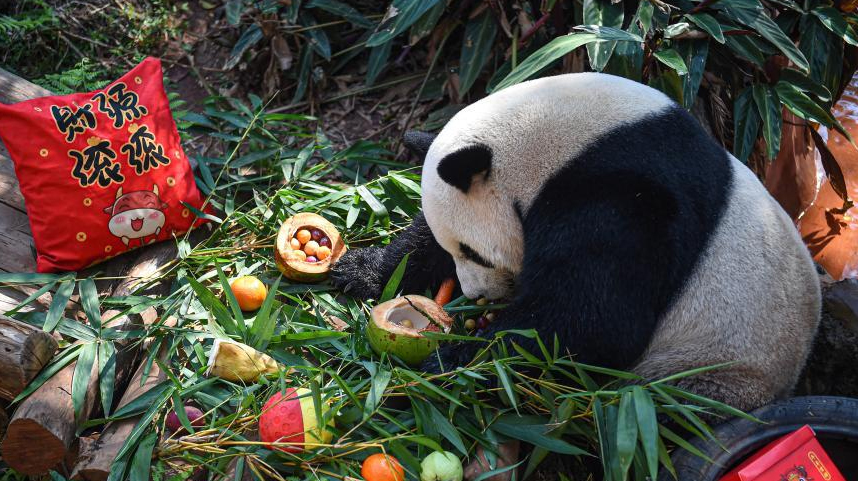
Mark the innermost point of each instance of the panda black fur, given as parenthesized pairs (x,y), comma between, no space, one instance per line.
(618,225)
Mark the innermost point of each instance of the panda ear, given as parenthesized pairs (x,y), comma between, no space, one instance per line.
(418,142)
(459,168)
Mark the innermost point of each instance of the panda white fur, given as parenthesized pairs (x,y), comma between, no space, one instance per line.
(616,223)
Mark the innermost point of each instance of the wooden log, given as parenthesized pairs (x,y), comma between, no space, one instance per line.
(96,459)
(43,427)
(24,351)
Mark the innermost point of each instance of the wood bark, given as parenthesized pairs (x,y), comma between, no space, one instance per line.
(24,350)
(42,429)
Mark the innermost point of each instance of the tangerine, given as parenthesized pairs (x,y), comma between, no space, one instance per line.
(249,291)
(381,467)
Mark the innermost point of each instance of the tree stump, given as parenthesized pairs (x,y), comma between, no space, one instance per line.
(24,350)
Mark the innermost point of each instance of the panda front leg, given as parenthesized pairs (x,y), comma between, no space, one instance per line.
(365,272)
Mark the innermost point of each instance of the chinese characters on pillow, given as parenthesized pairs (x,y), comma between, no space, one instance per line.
(101,172)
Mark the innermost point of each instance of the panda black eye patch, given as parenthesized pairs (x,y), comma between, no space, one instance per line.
(472,256)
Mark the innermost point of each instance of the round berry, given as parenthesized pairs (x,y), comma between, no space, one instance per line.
(303,236)
(295,244)
(482,301)
(323,253)
(406,323)
(299,254)
(325,242)
(316,234)
(482,323)
(311,247)
(312,259)
(470,324)
(490,316)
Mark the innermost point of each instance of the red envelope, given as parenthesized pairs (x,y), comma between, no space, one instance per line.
(795,457)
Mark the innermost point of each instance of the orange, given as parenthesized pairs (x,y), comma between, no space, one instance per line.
(249,291)
(381,467)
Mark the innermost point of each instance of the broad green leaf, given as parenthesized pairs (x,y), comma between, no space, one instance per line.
(803,82)
(695,53)
(232,9)
(834,21)
(506,383)
(708,24)
(28,278)
(745,47)
(32,297)
(602,13)
(476,48)
(770,111)
(394,281)
(823,50)
(672,59)
(250,37)
(58,304)
(305,66)
(545,56)
(426,23)
(746,124)
(802,105)
(82,376)
(342,10)
(316,37)
(378,56)
(400,15)
(752,14)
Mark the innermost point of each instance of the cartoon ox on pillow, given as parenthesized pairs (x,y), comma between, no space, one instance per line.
(136,215)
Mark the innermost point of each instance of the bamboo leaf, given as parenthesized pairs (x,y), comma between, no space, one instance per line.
(377,61)
(340,9)
(82,375)
(58,304)
(106,374)
(395,279)
(142,460)
(250,37)
(545,56)
(477,46)
(400,15)
(627,431)
(647,427)
(446,429)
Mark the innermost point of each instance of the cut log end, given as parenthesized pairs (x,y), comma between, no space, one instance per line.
(36,449)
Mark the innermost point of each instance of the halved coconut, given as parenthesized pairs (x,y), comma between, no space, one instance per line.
(292,266)
(397,326)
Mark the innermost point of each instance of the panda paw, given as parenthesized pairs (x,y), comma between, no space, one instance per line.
(358,272)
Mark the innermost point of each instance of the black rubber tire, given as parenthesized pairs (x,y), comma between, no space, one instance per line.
(830,417)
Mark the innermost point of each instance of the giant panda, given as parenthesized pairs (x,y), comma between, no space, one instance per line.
(610,219)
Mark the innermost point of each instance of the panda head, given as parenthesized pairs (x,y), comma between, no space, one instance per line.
(491,160)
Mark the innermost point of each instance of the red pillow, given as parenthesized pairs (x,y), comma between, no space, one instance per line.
(101,172)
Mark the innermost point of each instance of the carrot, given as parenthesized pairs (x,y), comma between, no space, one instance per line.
(445,292)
